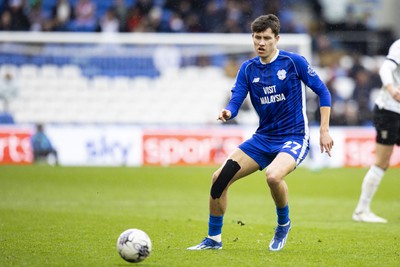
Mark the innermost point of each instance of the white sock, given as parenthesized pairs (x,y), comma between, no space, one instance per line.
(368,188)
(217,238)
(286,224)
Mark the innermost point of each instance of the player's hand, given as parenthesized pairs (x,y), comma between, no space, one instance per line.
(326,142)
(224,115)
(395,93)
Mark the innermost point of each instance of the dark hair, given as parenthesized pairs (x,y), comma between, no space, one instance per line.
(264,22)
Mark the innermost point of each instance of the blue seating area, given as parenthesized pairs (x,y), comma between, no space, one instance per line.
(94,59)
(93,65)
(111,67)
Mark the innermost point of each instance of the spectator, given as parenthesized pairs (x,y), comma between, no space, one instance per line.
(192,23)
(5,21)
(144,6)
(231,26)
(154,19)
(234,15)
(213,18)
(176,23)
(137,17)
(361,95)
(109,22)
(121,11)
(85,20)
(182,7)
(62,15)
(19,20)
(37,18)
(141,19)
(8,91)
(42,147)
(134,19)
(328,55)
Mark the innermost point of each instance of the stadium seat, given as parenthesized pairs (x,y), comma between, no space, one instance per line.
(49,71)
(99,82)
(74,84)
(71,71)
(28,71)
(120,83)
(141,83)
(74,98)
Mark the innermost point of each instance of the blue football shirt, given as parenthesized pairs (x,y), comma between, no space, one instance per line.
(277,93)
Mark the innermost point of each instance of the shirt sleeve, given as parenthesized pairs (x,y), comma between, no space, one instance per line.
(239,92)
(394,52)
(308,75)
(390,64)
(386,72)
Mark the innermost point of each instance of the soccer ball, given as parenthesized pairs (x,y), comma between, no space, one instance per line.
(134,245)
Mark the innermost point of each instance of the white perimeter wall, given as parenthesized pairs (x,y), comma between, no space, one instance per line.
(113,145)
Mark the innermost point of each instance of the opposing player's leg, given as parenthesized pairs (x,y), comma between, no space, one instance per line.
(281,166)
(387,125)
(370,185)
(237,166)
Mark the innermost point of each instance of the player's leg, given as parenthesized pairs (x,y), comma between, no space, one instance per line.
(370,184)
(281,166)
(387,126)
(290,155)
(237,166)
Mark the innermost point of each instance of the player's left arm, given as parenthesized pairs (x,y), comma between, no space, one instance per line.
(325,139)
(308,75)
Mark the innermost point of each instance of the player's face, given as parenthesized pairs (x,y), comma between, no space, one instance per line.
(265,44)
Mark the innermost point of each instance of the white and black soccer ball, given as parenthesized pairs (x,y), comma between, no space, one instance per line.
(134,245)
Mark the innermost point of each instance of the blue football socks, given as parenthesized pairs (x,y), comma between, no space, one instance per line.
(283,215)
(215,225)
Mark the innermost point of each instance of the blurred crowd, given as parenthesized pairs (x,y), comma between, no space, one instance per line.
(223,16)
(349,65)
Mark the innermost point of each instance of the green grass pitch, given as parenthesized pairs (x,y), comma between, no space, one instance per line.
(72,216)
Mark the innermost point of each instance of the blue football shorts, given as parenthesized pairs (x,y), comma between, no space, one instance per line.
(264,149)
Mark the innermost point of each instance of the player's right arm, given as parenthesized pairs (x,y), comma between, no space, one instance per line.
(224,115)
(239,93)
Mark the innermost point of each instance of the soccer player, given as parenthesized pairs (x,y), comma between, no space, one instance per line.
(387,124)
(274,79)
